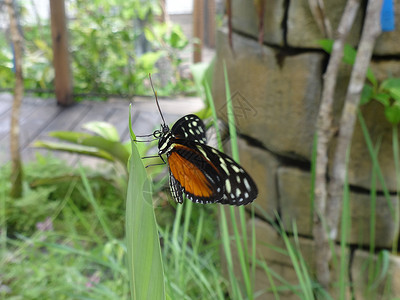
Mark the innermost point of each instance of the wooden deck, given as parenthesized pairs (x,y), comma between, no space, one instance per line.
(40,116)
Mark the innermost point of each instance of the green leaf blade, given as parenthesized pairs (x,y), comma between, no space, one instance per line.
(103,129)
(145,266)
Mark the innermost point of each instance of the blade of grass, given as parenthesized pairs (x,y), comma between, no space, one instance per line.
(375,163)
(304,288)
(303,265)
(345,228)
(372,222)
(242,246)
(270,279)
(97,209)
(145,265)
(3,223)
(236,294)
(214,114)
(186,222)
(199,233)
(395,141)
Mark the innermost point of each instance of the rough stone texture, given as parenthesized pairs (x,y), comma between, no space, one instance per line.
(388,43)
(294,188)
(384,69)
(276,100)
(269,241)
(385,287)
(262,167)
(245,20)
(303,31)
(295,204)
(268,98)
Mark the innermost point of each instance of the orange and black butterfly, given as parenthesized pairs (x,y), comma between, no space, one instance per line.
(200,172)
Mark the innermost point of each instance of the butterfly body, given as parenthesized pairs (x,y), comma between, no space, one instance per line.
(202,173)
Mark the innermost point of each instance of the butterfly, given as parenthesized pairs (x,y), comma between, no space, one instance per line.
(201,173)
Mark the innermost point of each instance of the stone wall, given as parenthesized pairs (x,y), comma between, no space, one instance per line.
(275,90)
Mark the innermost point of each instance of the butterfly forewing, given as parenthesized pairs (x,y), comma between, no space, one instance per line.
(190,127)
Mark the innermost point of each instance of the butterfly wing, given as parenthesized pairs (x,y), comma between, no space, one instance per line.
(176,188)
(207,175)
(190,127)
(199,179)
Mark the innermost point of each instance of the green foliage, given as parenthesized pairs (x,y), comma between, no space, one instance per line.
(105,37)
(145,267)
(387,92)
(349,57)
(106,144)
(74,247)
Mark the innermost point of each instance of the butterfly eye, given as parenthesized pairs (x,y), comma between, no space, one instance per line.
(165,129)
(157,134)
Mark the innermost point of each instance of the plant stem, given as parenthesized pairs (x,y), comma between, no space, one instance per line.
(16,170)
(324,135)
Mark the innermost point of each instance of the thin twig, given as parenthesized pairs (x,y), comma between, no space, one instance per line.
(317,8)
(324,135)
(371,31)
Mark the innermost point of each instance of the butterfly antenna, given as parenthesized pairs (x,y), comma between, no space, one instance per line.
(155,94)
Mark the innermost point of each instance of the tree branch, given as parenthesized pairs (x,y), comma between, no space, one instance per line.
(371,30)
(16,172)
(324,135)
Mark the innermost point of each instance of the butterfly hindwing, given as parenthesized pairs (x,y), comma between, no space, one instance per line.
(176,188)
(190,127)
(207,175)
(200,179)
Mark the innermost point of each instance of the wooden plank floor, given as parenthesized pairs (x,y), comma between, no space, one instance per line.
(40,116)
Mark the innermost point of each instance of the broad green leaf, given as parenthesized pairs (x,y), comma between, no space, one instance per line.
(202,72)
(392,113)
(392,85)
(145,266)
(383,98)
(366,94)
(103,129)
(148,60)
(69,136)
(114,149)
(80,149)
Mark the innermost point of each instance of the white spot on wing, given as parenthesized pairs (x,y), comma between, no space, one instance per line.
(246,183)
(237,192)
(223,166)
(235,168)
(228,186)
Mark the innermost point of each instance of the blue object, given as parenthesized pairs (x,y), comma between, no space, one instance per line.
(387,15)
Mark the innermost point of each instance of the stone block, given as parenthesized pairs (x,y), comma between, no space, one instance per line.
(303,31)
(388,43)
(275,98)
(245,20)
(272,250)
(370,279)
(262,167)
(295,205)
(294,188)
